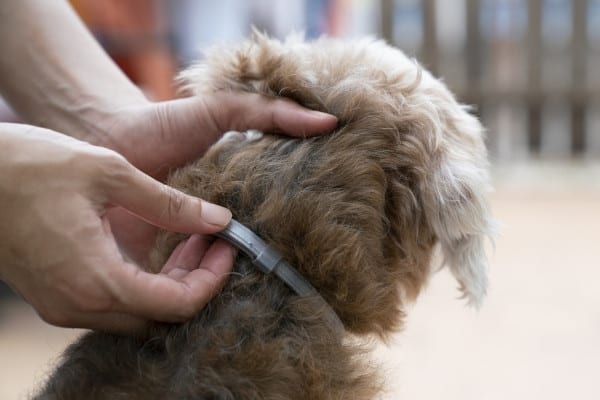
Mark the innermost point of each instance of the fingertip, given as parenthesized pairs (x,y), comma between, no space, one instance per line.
(213,271)
(214,214)
(228,250)
(321,122)
(323,117)
(295,120)
(219,258)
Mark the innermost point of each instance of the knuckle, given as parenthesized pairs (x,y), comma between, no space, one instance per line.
(220,112)
(162,118)
(112,169)
(54,317)
(175,202)
(111,162)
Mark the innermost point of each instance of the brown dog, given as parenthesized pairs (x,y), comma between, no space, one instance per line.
(358,212)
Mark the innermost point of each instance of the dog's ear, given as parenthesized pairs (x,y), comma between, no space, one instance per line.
(456,198)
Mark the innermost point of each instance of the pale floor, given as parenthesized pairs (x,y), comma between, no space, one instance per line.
(537,335)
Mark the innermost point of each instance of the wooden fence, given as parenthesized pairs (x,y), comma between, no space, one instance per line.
(484,57)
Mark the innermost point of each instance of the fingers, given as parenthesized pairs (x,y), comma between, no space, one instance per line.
(178,131)
(124,298)
(187,255)
(252,111)
(162,205)
(194,273)
(180,294)
(63,256)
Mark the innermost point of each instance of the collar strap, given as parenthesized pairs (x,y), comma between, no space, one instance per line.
(268,260)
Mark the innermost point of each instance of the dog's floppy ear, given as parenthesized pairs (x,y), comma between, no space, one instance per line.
(455,201)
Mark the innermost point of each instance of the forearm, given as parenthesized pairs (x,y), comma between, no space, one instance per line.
(54,73)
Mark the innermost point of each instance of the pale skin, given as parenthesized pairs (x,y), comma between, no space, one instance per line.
(72,202)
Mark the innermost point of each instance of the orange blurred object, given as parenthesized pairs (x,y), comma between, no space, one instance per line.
(135,34)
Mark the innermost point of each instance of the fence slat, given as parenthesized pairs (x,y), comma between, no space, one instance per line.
(536,91)
(473,50)
(429,46)
(534,73)
(387,20)
(579,52)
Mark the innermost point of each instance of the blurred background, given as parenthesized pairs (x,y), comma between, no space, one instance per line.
(530,68)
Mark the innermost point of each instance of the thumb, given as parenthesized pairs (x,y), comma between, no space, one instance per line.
(164,206)
(242,111)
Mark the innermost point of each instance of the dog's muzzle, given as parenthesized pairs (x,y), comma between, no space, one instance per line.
(268,260)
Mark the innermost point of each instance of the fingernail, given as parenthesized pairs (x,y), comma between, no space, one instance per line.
(214,214)
(321,114)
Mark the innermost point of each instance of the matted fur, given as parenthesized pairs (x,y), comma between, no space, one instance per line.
(358,212)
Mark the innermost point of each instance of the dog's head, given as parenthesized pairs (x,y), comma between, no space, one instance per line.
(360,211)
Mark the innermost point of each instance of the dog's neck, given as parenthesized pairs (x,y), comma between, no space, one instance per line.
(270,261)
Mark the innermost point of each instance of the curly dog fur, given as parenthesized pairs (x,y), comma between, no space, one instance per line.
(358,212)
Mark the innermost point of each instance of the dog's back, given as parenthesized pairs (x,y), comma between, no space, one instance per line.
(358,213)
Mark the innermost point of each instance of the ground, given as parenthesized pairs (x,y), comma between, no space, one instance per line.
(537,335)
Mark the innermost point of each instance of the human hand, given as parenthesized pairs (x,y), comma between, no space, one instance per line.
(96,102)
(58,250)
(156,137)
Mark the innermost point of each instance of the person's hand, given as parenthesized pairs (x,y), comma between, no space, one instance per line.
(157,137)
(58,250)
(56,193)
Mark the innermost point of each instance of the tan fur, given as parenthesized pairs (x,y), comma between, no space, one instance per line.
(358,213)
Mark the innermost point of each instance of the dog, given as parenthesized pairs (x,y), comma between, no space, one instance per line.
(360,213)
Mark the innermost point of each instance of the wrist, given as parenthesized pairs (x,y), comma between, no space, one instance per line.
(117,127)
(92,118)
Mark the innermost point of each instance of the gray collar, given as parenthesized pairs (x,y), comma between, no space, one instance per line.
(268,260)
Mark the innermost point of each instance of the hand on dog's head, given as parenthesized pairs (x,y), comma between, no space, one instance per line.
(358,212)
